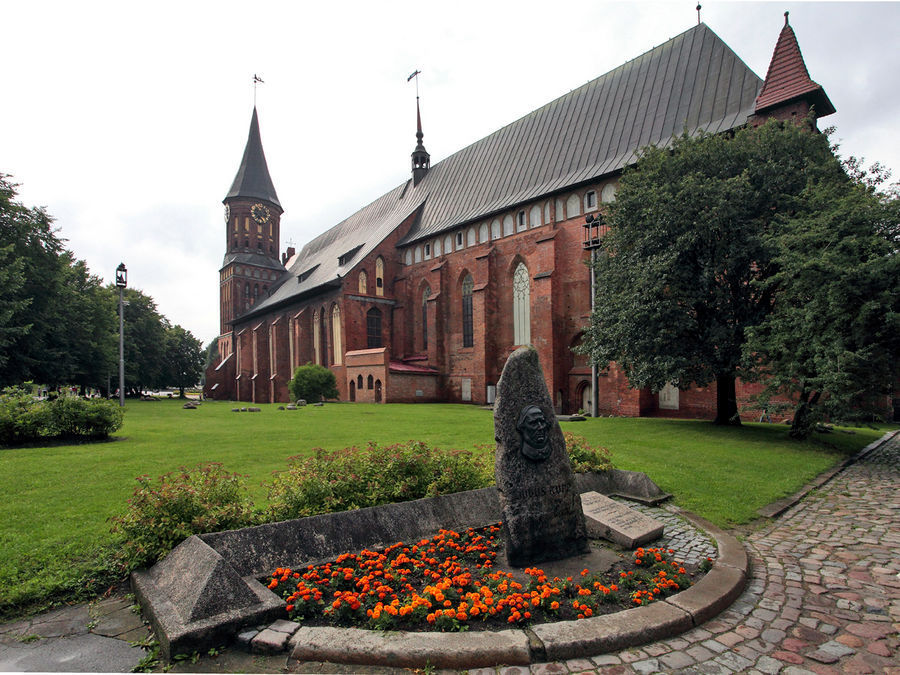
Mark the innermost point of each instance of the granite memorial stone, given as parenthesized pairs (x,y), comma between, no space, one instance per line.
(542,514)
(617,522)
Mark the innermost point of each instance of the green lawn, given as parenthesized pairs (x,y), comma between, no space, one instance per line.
(56,500)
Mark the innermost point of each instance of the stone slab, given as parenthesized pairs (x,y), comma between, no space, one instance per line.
(611,632)
(81,653)
(608,519)
(411,650)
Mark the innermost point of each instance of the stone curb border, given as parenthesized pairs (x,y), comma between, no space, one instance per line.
(545,642)
(776,508)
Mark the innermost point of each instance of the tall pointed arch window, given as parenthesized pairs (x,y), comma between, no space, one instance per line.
(323,336)
(521,306)
(379,276)
(336,334)
(317,339)
(425,295)
(373,328)
(468,285)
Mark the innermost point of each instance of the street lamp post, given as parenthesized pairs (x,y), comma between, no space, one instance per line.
(121,283)
(594,227)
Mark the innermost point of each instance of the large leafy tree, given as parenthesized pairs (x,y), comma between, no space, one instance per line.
(832,340)
(689,241)
(56,322)
(184,358)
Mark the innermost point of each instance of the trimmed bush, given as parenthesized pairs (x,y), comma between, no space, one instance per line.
(23,419)
(313,383)
(74,417)
(181,503)
(585,457)
(355,478)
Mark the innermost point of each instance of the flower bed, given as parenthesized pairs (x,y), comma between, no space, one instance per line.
(449,582)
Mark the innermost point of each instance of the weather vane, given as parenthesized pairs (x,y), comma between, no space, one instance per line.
(415,74)
(256,80)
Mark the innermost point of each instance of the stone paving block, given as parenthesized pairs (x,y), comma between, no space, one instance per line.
(768,665)
(548,669)
(836,648)
(578,665)
(646,667)
(284,626)
(606,660)
(116,623)
(734,661)
(269,641)
(675,660)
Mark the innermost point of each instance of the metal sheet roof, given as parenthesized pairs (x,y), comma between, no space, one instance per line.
(692,82)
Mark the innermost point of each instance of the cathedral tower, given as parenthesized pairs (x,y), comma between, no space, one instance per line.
(252,238)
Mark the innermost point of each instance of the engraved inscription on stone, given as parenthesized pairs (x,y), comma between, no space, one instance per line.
(618,523)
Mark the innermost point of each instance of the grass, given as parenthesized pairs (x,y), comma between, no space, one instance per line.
(54,525)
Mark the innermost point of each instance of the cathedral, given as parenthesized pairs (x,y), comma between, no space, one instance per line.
(423,294)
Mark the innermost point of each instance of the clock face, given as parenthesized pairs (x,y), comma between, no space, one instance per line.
(260,213)
(227,212)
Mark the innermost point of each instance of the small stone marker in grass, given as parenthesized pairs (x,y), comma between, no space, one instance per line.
(609,519)
(542,516)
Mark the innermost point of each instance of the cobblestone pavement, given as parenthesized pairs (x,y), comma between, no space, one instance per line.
(824,596)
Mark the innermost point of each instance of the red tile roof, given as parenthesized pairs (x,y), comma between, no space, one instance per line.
(401,367)
(788,79)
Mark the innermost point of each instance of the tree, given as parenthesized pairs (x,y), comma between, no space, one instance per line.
(56,322)
(313,383)
(184,358)
(832,340)
(210,357)
(145,343)
(688,243)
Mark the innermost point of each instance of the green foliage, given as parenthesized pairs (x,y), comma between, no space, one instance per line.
(75,417)
(688,243)
(184,358)
(585,457)
(24,419)
(313,383)
(377,474)
(179,504)
(832,341)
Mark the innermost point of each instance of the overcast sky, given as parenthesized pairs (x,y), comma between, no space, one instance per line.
(128,120)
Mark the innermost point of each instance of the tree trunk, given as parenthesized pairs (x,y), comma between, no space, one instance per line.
(802,424)
(726,401)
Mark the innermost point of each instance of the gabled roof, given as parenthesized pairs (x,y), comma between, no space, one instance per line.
(788,79)
(692,82)
(252,179)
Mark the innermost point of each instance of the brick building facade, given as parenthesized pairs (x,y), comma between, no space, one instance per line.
(424,293)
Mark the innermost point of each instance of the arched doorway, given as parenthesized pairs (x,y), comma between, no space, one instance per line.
(352,390)
(586,398)
(377,391)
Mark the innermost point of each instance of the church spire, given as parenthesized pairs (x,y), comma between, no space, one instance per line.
(252,180)
(788,82)
(421,160)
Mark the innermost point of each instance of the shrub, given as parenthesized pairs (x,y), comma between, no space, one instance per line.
(72,417)
(584,456)
(356,478)
(181,503)
(313,383)
(22,419)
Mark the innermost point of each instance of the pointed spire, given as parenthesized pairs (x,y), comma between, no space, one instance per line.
(252,179)
(421,160)
(788,80)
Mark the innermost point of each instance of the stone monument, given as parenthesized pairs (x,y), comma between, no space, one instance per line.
(542,513)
